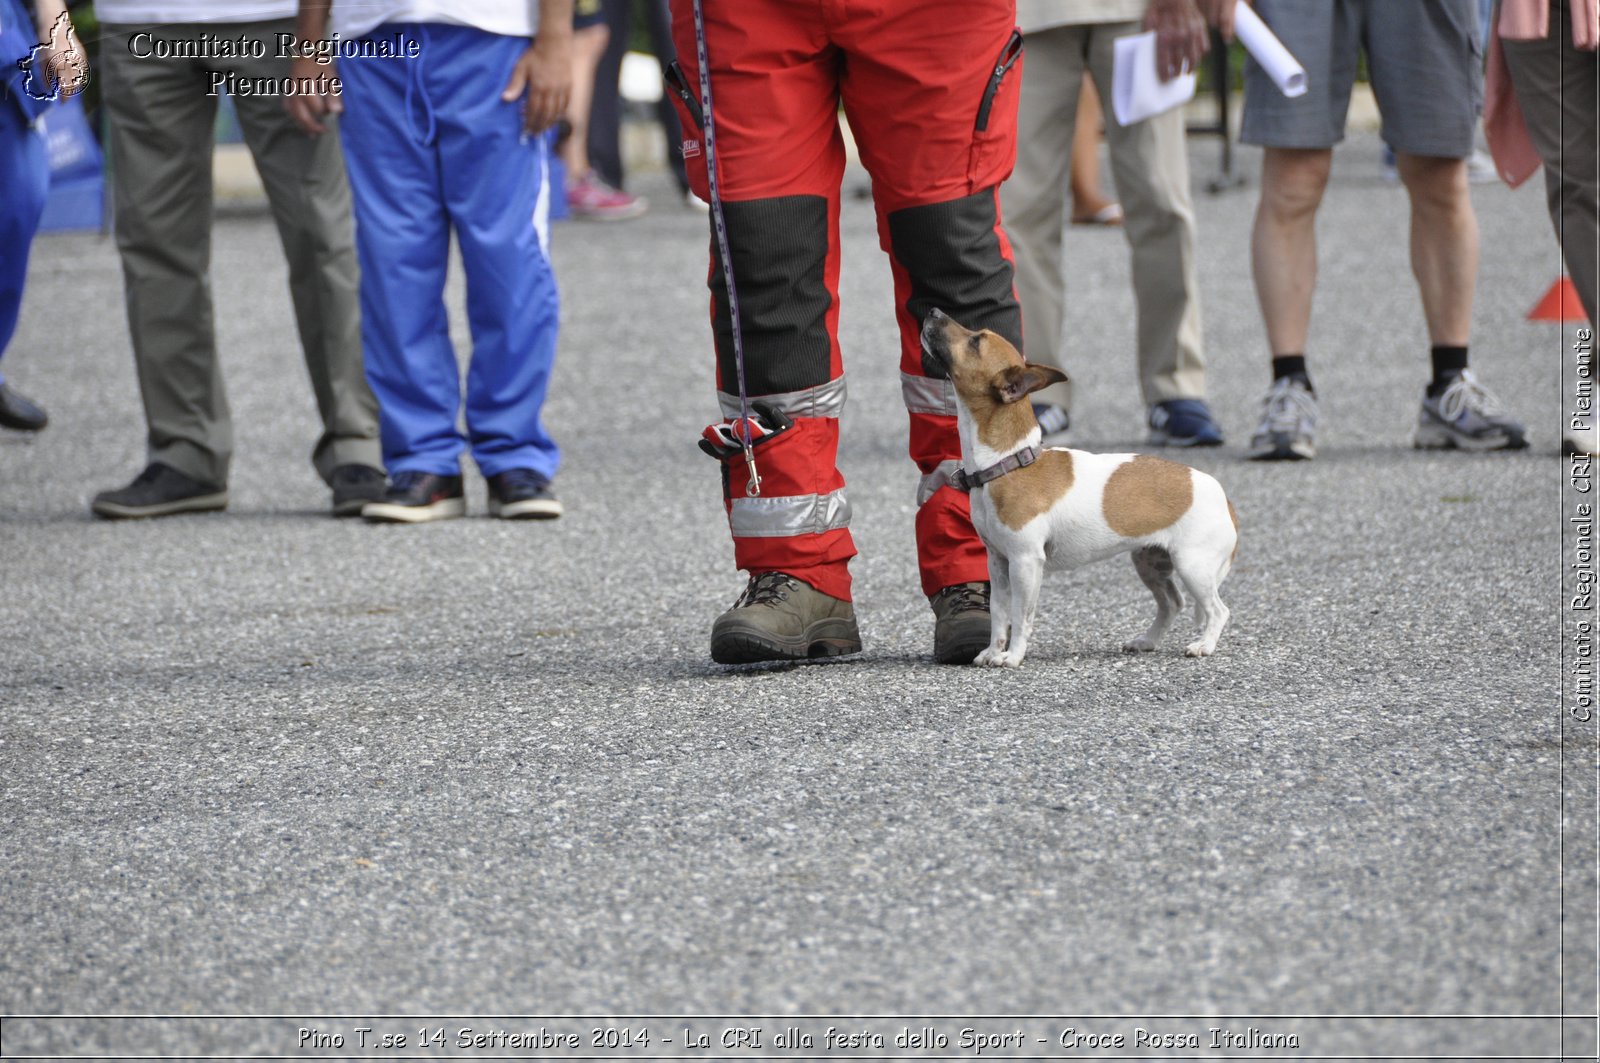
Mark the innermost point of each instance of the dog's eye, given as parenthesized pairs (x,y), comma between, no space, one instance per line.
(974,341)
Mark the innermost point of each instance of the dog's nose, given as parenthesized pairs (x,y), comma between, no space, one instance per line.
(936,316)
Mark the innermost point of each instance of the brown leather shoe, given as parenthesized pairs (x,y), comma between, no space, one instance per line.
(780,618)
(961,622)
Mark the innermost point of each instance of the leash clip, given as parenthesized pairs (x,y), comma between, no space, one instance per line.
(753,488)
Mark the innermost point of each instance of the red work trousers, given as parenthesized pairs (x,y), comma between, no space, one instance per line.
(930,91)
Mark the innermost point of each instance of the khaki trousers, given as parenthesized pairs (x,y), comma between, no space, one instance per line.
(1151,170)
(161,122)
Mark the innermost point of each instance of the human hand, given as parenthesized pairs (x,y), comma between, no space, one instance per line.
(1220,14)
(544,75)
(1181,37)
(309,108)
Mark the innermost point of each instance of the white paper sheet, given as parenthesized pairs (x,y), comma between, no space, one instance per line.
(1137,91)
(1262,44)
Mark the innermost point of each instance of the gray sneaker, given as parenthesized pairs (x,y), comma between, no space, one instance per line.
(1467,416)
(1288,428)
(961,622)
(159,491)
(780,618)
(354,486)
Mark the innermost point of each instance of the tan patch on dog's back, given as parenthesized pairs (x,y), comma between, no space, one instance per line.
(1028,492)
(1147,494)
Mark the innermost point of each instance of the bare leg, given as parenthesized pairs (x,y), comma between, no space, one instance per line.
(1444,244)
(588,45)
(1087,198)
(1283,245)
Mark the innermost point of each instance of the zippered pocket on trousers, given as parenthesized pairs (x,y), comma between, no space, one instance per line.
(679,84)
(1002,66)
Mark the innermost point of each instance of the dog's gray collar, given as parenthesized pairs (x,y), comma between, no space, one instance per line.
(965,481)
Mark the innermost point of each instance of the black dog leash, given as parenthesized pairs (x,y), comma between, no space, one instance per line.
(718,223)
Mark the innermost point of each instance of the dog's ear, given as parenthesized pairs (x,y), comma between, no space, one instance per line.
(1020,380)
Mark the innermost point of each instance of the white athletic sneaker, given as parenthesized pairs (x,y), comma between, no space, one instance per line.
(1288,428)
(1467,416)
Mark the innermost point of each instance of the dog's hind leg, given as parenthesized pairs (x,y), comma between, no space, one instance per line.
(1200,573)
(1154,566)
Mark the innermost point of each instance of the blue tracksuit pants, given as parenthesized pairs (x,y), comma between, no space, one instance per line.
(24,175)
(431,148)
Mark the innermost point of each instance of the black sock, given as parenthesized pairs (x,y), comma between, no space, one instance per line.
(1448,363)
(1291,365)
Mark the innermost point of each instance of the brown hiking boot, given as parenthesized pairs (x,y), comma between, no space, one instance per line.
(961,622)
(779,618)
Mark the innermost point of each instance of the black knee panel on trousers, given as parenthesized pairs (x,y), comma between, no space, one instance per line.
(951,253)
(780,255)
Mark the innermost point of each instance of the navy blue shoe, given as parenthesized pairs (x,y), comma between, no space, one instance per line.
(522,494)
(1183,423)
(417,497)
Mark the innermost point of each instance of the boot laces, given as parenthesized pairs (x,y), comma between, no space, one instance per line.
(767,588)
(965,597)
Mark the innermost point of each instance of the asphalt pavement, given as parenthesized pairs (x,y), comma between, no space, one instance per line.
(266,762)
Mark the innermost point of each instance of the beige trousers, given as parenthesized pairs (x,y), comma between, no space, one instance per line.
(1151,170)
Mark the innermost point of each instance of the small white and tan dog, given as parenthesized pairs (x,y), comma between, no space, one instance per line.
(1039,509)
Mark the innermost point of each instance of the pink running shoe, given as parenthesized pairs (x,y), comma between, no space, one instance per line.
(590,197)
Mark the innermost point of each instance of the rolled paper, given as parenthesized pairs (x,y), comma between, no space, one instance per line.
(1137,91)
(1263,45)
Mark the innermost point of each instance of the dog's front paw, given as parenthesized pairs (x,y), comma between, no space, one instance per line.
(1138,645)
(1006,659)
(989,657)
(1199,649)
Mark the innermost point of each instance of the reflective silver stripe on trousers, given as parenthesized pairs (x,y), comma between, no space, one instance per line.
(926,394)
(825,400)
(944,474)
(780,518)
